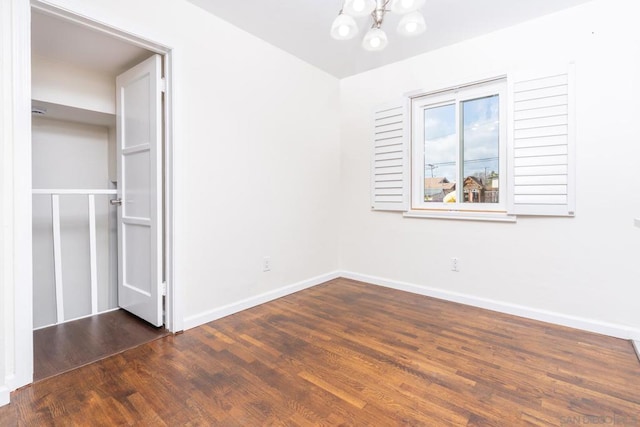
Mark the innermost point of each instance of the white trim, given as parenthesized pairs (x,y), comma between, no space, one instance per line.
(591,325)
(457,85)
(4,396)
(77,318)
(173,299)
(636,347)
(217,313)
(72,191)
(5,390)
(46,7)
(461,215)
(10,382)
(20,346)
(57,257)
(93,257)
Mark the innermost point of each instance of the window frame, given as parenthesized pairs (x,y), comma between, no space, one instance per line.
(456,95)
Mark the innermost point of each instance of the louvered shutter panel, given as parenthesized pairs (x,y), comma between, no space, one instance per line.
(541,179)
(390,166)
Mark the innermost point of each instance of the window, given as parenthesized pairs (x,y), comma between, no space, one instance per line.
(459,154)
(459,149)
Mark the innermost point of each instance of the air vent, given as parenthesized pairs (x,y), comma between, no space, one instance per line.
(38,111)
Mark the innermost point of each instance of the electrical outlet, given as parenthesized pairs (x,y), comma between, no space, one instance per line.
(455,264)
(266,264)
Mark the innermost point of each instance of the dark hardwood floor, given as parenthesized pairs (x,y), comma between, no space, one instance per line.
(67,346)
(348,353)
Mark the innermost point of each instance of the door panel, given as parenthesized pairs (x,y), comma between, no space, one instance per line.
(136,102)
(137,177)
(137,241)
(139,121)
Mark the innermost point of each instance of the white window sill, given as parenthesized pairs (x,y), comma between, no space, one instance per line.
(461,215)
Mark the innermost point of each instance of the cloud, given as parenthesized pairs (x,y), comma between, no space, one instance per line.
(480,138)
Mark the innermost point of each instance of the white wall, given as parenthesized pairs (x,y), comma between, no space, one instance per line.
(261,155)
(69,155)
(583,268)
(257,162)
(61,83)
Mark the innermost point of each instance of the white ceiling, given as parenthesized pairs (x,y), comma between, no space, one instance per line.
(65,41)
(301,27)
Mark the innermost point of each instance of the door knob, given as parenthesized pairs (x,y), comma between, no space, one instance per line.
(115,202)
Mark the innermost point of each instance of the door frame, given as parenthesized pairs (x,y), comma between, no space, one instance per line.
(18,323)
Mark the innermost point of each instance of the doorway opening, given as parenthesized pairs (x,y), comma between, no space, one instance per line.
(101,194)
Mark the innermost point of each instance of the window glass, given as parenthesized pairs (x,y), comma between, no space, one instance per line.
(440,152)
(480,140)
(459,149)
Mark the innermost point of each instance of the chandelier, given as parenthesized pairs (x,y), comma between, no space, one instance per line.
(344,27)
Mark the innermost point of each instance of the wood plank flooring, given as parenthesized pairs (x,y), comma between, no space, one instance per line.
(349,353)
(67,346)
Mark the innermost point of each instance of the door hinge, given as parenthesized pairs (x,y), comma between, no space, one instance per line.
(163,85)
(164,289)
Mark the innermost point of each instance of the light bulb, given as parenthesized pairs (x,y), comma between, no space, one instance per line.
(412,24)
(375,39)
(344,27)
(405,6)
(411,27)
(358,5)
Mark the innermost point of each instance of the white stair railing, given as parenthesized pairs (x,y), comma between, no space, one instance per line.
(57,247)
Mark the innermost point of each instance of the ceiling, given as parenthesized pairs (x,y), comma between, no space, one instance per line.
(301,27)
(65,41)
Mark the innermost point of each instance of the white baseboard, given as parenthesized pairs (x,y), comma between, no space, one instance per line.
(636,347)
(77,318)
(217,313)
(591,325)
(10,382)
(4,396)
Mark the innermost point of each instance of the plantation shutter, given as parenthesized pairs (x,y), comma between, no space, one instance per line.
(390,165)
(541,160)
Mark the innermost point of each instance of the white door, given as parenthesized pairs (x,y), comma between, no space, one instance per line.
(139,153)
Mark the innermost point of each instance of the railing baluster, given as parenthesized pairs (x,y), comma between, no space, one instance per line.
(57,247)
(57,256)
(92,254)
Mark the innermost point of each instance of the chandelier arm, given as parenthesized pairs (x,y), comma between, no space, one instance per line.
(378,13)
